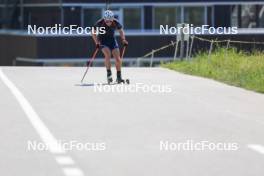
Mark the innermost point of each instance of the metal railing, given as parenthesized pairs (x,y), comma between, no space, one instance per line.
(189,47)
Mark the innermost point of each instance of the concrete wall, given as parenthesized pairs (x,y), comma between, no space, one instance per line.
(13,46)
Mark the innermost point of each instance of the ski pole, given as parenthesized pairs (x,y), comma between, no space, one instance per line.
(90,63)
(123,52)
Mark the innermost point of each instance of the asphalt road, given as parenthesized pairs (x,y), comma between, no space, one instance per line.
(124,130)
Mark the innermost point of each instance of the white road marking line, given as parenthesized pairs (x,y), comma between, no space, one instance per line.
(53,145)
(43,131)
(256,147)
(72,172)
(64,160)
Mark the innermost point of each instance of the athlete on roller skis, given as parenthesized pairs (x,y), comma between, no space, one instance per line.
(108,43)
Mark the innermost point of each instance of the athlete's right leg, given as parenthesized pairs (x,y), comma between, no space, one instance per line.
(107,54)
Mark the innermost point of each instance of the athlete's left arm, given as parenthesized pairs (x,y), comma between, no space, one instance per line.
(122,36)
(119,27)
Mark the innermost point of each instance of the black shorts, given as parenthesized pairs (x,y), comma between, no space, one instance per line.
(111,44)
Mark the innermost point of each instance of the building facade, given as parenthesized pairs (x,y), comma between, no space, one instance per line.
(136,15)
(141,19)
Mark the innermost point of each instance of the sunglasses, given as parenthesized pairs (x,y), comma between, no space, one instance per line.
(108,21)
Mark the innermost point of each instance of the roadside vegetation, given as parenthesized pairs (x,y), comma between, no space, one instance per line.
(229,66)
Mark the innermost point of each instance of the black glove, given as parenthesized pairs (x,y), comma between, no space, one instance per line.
(125,42)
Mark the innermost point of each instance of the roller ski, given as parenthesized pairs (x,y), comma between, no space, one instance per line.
(119,79)
(122,81)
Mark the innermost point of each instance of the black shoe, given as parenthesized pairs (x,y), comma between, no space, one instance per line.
(120,80)
(119,77)
(109,77)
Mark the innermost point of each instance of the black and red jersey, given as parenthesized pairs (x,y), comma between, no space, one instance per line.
(110,30)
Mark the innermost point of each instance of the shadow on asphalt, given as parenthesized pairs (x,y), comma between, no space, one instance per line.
(93,84)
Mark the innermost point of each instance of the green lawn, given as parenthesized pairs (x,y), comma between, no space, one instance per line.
(228,66)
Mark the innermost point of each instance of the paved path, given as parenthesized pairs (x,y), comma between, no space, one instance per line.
(50,105)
